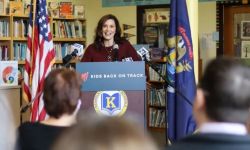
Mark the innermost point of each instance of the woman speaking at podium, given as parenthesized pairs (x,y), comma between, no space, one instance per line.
(108,45)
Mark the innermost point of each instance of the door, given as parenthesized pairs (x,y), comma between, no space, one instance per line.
(236,31)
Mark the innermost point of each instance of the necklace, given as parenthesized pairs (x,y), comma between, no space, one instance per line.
(109,50)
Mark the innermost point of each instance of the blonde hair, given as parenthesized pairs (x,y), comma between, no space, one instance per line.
(106,133)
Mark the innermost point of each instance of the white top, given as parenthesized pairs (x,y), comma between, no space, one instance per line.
(222,127)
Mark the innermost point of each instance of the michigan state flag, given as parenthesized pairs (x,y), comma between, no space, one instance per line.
(180,73)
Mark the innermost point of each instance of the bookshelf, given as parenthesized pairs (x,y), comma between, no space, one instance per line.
(152,31)
(14,30)
(156,97)
(67,31)
(5,37)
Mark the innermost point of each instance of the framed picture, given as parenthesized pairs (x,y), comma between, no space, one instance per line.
(245,49)
(245,29)
(160,15)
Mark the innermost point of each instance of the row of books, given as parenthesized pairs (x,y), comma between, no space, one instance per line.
(66,10)
(157,118)
(68,29)
(4,28)
(4,53)
(19,51)
(20,28)
(56,9)
(156,97)
(154,75)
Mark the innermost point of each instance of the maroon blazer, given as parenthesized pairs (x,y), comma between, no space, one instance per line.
(126,50)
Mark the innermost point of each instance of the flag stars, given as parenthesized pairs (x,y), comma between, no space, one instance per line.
(45,26)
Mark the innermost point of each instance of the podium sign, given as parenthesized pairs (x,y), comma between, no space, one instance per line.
(109,76)
(113,88)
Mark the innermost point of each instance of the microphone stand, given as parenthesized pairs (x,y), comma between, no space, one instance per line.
(166,80)
(24,108)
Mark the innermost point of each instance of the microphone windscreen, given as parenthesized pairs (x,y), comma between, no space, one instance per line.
(115,46)
(144,53)
(79,49)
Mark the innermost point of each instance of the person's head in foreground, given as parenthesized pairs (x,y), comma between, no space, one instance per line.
(221,108)
(224,93)
(62,92)
(105,133)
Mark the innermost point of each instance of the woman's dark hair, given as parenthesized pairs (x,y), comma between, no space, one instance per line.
(62,90)
(98,33)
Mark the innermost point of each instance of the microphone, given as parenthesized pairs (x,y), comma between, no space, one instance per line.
(68,57)
(115,49)
(144,53)
(77,50)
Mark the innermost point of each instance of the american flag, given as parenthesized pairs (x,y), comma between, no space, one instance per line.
(39,59)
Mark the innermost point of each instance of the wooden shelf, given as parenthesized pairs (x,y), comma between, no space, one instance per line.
(21,62)
(158,107)
(158,129)
(159,82)
(19,39)
(82,19)
(4,15)
(60,61)
(69,39)
(5,38)
(20,16)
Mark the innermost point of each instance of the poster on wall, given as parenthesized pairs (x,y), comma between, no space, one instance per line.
(8,73)
(160,15)
(245,49)
(245,29)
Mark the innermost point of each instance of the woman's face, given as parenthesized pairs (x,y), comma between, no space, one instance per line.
(109,29)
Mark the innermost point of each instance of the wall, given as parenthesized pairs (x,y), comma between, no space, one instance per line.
(207,25)
(192,6)
(206,22)
(94,11)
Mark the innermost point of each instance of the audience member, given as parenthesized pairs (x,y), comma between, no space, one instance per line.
(61,94)
(7,125)
(107,133)
(221,108)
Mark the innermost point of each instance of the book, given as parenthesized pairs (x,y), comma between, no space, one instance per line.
(53,8)
(16,8)
(2,6)
(79,11)
(27,6)
(8,73)
(66,10)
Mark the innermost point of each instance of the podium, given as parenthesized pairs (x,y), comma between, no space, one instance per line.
(114,88)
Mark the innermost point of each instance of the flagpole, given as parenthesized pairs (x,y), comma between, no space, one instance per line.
(33,2)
